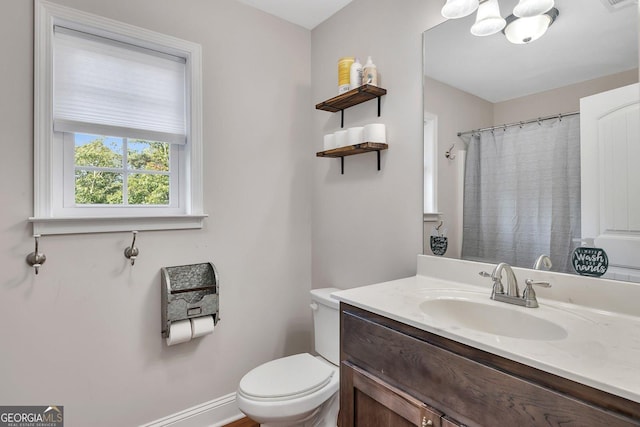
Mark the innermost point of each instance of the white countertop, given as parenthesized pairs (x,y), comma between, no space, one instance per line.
(601,349)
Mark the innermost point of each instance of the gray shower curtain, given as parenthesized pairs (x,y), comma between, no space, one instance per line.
(522,194)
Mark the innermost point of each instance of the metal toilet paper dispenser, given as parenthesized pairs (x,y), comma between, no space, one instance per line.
(189,291)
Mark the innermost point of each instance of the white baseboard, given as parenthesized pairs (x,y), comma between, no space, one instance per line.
(214,413)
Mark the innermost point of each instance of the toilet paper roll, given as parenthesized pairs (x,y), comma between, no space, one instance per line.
(375,132)
(201,326)
(354,135)
(341,138)
(329,142)
(179,332)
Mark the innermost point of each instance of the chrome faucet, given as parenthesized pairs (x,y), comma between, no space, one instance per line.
(512,282)
(543,260)
(512,295)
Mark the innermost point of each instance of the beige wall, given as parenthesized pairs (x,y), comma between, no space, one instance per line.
(456,110)
(85,332)
(367,224)
(562,100)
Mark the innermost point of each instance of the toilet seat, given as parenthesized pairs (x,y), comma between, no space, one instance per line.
(286,378)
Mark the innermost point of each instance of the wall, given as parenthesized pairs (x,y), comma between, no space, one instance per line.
(562,100)
(85,332)
(456,110)
(367,224)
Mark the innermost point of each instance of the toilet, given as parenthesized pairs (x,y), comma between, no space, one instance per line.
(299,390)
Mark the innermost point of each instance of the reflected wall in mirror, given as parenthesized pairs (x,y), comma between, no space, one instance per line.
(472,83)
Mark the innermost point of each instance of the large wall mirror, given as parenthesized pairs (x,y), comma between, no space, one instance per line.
(515,166)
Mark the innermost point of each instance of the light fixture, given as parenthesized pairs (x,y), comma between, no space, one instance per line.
(529,8)
(529,22)
(526,30)
(488,20)
(454,9)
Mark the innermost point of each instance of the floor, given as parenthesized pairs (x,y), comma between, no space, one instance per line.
(243,422)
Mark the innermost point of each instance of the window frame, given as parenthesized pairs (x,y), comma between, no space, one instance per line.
(49,145)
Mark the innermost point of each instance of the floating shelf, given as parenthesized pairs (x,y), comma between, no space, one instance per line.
(351,150)
(349,99)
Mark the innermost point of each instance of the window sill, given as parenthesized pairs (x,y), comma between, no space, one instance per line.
(74,225)
(431,216)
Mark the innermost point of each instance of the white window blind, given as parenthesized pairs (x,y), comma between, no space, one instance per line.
(117,89)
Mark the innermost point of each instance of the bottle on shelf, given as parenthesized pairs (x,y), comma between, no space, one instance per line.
(355,77)
(370,73)
(344,70)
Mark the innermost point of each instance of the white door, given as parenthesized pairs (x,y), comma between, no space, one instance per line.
(610,177)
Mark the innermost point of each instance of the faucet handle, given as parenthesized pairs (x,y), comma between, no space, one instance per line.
(529,294)
(541,283)
(497,283)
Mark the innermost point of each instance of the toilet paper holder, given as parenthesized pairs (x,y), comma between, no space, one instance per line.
(189,291)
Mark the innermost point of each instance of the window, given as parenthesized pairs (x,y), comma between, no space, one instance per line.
(113,171)
(117,126)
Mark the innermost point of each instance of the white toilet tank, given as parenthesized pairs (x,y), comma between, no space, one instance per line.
(326,323)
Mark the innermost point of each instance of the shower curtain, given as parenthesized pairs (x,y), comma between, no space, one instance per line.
(522,194)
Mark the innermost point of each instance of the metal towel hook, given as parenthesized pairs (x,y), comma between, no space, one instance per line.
(132,252)
(36,258)
(448,154)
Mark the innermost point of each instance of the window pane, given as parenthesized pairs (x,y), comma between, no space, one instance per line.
(98,188)
(98,151)
(148,189)
(148,155)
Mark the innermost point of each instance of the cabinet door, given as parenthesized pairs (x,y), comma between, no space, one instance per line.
(370,402)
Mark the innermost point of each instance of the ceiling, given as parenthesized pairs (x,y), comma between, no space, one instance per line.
(306,13)
(588,40)
(599,40)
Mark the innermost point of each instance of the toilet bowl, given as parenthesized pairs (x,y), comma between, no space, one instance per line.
(299,390)
(296,390)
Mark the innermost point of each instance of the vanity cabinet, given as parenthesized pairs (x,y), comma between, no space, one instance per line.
(393,375)
(377,403)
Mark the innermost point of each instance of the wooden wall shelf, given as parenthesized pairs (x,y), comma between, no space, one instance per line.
(349,99)
(351,150)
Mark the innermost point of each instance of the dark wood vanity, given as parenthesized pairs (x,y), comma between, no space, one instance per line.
(395,375)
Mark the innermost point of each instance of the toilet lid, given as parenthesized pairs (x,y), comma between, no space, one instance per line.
(296,375)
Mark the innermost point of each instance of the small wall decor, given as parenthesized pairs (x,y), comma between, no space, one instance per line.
(438,240)
(439,245)
(588,261)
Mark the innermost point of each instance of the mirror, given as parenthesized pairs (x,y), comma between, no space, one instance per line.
(474,82)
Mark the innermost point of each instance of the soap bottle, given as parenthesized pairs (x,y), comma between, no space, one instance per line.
(355,77)
(370,73)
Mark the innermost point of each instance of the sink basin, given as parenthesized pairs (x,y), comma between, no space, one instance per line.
(493,319)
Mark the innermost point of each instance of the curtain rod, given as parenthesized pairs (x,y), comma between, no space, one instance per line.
(538,120)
